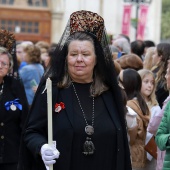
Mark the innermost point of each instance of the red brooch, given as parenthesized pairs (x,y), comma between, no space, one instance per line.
(59,106)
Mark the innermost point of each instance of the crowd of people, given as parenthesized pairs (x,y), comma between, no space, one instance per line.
(108,101)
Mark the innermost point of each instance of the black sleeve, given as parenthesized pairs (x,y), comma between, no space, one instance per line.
(36,127)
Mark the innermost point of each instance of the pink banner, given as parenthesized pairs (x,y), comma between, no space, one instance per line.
(143,11)
(126,19)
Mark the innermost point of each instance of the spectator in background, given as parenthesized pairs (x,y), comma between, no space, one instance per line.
(53,45)
(155,123)
(163,132)
(31,73)
(130,61)
(114,51)
(160,62)
(148,92)
(138,48)
(123,46)
(21,54)
(44,48)
(121,36)
(117,67)
(148,60)
(132,84)
(51,50)
(43,45)
(148,44)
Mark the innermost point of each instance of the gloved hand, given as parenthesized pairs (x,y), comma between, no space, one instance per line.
(48,155)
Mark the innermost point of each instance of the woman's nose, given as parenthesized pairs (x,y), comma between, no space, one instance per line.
(79,57)
(150,84)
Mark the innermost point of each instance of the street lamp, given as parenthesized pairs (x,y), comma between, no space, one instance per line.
(137,3)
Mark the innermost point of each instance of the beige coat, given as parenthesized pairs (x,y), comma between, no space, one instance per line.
(138,136)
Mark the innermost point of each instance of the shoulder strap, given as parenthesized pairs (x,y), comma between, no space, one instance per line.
(135,106)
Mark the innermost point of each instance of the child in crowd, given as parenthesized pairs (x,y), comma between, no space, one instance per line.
(138,113)
(148,92)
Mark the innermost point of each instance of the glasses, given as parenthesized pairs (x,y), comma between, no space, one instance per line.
(3,64)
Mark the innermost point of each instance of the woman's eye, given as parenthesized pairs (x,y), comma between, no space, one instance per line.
(74,54)
(4,64)
(85,54)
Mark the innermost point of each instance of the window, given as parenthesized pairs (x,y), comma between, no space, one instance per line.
(7,2)
(38,3)
(35,3)
(28,27)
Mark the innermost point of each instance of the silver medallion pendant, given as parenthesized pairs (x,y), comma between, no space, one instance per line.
(88,147)
(13,107)
(89,130)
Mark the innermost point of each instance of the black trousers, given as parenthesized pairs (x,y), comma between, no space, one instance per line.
(9,166)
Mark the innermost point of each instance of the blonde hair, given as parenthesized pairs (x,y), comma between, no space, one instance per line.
(152,97)
(147,64)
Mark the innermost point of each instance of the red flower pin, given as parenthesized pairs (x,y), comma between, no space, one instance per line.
(59,106)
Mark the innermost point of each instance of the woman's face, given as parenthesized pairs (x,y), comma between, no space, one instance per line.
(45,58)
(167,76)
(20,53)
(155,58)
(4,65)
(81,60)
(147,85)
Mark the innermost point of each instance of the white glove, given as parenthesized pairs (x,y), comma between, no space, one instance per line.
(48,154)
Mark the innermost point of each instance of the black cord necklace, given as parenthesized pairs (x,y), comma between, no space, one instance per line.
(89,129)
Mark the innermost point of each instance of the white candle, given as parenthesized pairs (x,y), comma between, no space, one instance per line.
(50,122)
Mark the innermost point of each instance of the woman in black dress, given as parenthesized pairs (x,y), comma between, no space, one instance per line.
(88,116)
(13,108)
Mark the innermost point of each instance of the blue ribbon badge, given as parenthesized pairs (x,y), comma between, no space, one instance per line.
(13,105)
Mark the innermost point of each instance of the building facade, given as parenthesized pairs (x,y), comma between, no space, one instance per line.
(28,19)
(45,20)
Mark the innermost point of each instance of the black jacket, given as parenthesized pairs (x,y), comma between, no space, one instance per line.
(11,122)
(36,131)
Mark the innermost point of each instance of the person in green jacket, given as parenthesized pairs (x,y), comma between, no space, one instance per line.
(163,133)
